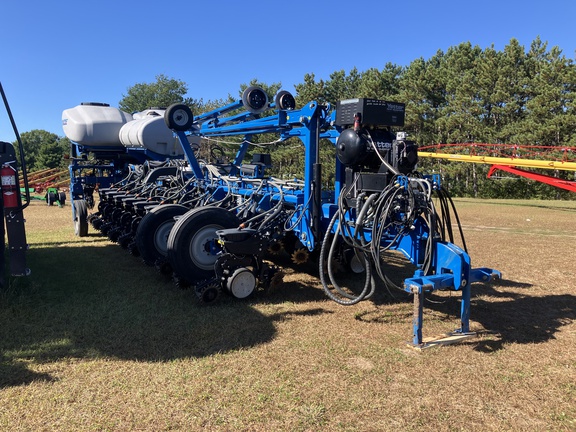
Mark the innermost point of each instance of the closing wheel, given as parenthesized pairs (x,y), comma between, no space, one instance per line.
(241,283)
(208,293)
(255,100)
(285,101)
(80,218)
(153,231)
(192,242)
(178,117)
(353,262)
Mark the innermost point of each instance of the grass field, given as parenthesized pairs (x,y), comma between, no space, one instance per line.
(95,340)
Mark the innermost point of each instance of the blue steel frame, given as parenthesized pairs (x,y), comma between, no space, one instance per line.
(111,172)
(451,266)
(305,124)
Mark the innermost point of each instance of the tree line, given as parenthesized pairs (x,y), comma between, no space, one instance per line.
(466,94)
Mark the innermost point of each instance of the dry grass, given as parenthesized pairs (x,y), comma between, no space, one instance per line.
(94,340)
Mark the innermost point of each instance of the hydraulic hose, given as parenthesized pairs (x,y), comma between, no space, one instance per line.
(368,283)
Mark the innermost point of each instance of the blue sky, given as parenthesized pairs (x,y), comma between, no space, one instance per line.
(56,54)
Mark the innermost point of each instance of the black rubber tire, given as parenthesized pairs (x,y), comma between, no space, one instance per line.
(81,218)
(50,198)
(188,240)
(285,101)
(179,117)
(255,100)
(153,230)
(62,198)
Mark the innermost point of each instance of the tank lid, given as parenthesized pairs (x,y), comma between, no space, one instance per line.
(95,104)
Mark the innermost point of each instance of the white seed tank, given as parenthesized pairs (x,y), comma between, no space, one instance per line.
(148,130)
(94,124)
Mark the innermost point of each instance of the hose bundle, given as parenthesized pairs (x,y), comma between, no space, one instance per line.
(379,222)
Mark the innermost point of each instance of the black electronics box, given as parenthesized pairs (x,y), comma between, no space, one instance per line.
(373,112)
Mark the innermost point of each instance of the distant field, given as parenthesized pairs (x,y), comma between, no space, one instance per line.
(95,340)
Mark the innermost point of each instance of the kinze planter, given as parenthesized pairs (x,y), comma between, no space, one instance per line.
(210,223)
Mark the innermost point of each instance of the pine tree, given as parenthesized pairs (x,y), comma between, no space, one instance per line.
(552,91)
(378,84)
(310,90)
(511,94)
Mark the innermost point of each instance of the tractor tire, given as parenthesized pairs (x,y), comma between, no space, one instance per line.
(153,231)
(50,198)
(80,218)
(62,198)
(191,240)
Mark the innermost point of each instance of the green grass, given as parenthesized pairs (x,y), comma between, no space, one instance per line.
(95,340)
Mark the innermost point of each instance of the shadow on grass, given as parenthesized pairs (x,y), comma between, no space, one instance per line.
(508,316)
(518,317)
(92,239)
(511,317)
(98,301)
(505,308)
(14,373)
(95,302)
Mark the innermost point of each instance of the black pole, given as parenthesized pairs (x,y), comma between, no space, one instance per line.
(3,245)
(20,148)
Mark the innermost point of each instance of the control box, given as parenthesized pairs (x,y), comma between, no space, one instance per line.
(372,112)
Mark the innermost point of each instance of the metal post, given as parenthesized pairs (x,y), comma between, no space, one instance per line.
(317,202)
(196,169)
(465,308)
(418,318)
(240,155)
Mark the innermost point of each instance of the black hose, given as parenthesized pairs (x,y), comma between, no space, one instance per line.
(369,282)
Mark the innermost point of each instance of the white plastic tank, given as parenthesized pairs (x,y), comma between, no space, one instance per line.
(148,130)
(94,124)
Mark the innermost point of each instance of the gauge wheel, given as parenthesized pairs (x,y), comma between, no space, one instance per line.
(192,247)
(153,231)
